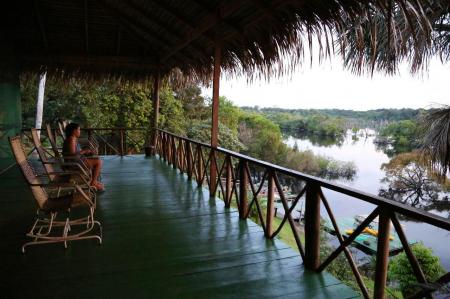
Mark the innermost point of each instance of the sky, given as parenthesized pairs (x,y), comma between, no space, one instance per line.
(329,86)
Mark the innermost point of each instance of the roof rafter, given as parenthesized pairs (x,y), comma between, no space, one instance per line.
(129,25)
(205,24)
(273,6)
(119,37)
(86,28)
(178,16)
(238,31)
(136,10)
(41,24)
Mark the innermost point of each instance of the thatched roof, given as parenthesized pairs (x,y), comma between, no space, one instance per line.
(138,37)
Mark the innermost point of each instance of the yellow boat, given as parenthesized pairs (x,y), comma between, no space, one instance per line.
(369,231)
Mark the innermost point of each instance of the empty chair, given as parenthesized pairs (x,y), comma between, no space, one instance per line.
(52,140)
(53,223)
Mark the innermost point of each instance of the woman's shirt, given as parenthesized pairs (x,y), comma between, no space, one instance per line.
(69,149)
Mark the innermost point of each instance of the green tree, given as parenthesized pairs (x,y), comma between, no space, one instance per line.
(262,138)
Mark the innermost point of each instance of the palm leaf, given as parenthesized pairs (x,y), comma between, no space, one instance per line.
(436,141)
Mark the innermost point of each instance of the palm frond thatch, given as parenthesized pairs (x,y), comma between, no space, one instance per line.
(436,141)
(380,39)
(260,39)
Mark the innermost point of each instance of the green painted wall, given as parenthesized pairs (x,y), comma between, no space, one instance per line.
(10,106)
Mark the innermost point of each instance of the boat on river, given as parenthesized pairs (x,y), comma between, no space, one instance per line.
(367,240)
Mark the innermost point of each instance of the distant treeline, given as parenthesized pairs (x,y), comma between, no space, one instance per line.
(333,122)
(389,115)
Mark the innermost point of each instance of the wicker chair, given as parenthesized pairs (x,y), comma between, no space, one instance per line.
(48,226)
(52,139)
(58,170)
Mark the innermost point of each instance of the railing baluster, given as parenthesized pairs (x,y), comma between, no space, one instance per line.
(199,166)
(381,266)
(270,205)
(189,159)
(243,181)
(411,257)
(174,153)
(228,185)
(212,173)
(312,226)
(347,253)
(164,146)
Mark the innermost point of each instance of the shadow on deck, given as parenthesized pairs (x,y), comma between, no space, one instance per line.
(162,237)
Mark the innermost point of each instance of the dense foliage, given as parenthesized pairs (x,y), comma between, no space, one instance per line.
(183,111)
(399,137)
(401,271)
(371,118)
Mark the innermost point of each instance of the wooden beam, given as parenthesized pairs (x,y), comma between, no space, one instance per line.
(215,96)
(140,63)
(41,25)
(154,121)
(86,27)
(205,24)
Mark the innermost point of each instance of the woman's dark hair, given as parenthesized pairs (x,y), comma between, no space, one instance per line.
(70,128)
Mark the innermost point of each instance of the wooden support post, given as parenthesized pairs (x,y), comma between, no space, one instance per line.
(228,183)
(154,121)
(215,114)
(243,182)
(381,266)
(312,226)
(270,205)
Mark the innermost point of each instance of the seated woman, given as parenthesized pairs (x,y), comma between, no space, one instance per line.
(71,147)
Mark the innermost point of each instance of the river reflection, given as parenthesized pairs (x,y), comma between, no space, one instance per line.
(371,178)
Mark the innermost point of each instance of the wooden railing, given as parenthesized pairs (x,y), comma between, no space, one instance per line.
(234,180)
(111,141)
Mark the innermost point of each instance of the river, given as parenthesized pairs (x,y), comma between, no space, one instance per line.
(368,160)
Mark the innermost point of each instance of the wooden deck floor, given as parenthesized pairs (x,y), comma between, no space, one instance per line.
(163,237)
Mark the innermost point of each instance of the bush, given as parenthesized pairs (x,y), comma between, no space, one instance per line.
(401,271)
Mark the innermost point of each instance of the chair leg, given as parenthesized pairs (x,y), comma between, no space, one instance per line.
(49,224)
